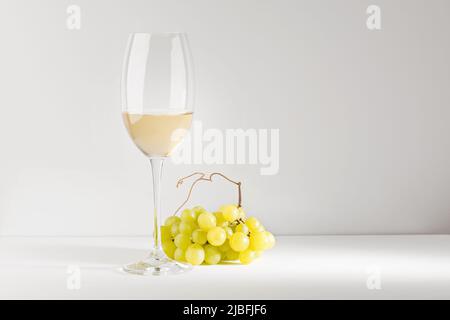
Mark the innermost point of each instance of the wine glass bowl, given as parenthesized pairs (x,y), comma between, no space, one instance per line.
(157,110)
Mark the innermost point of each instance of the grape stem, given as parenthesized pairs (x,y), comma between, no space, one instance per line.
(206,177)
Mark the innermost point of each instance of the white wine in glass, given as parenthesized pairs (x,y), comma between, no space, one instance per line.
(157,110)
(157,135)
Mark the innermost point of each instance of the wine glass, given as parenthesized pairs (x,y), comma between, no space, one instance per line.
(157,109)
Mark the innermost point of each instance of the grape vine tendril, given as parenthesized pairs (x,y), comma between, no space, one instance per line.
(206,177)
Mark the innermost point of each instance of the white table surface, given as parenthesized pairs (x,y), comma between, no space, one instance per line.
(307,267)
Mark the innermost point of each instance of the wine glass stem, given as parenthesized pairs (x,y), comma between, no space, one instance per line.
(157,165)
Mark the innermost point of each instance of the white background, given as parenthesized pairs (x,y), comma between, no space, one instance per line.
(363,115)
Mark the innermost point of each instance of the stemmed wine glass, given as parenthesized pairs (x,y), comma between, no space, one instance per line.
(157,109)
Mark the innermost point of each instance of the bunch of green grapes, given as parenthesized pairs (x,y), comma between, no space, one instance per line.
(199,236)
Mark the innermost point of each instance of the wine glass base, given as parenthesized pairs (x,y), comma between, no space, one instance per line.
(156,264)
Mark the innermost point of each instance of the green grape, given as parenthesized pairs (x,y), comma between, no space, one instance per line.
(270,240)
(225,247)
(212,254)
(242,228)
(174,229)
(169,248)
(231,255)
(220,221)
(239,242)
(186,227)
(182,241)
(260,229)
(188,215)
(171,220)
(206,221)
(258,253)
(195,254)
(247,256)
(241,213)
(230,212)
(258,241)
(199,236)
(216,236)
(198,209)
(165,233)
(253,224)
(228,231)
(179,255)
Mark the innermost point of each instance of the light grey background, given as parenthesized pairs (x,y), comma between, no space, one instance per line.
(363,115)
